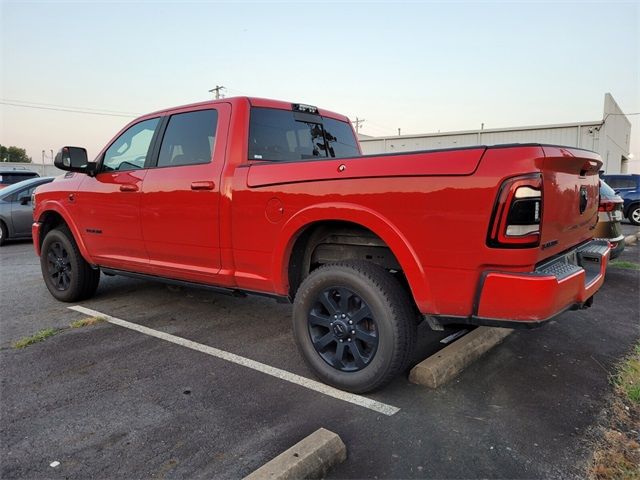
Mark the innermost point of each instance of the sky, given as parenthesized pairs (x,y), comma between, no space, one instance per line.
(419,66)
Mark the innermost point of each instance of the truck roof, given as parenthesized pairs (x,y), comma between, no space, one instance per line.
(253,101)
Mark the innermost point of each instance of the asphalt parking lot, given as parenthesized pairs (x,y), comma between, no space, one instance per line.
(109,402)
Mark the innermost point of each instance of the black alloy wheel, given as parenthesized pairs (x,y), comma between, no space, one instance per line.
(66,273)
(59,266)
(343,330)
(354,324)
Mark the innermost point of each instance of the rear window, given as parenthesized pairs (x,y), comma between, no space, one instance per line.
(9,178)
(621,182)
(606,190)
(282,135)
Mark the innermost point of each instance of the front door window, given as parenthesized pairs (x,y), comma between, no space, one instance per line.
(129,151)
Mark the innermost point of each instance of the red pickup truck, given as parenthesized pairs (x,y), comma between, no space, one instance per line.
(262,196)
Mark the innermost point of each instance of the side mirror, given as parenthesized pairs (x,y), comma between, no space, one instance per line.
(74,159)
(24,200)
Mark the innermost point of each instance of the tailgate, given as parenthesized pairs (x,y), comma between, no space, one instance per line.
(571,197)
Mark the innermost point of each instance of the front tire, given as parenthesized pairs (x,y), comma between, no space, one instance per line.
(354,324)
(634,214)
(66,274)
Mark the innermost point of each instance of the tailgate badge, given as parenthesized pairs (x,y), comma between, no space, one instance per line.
(583,199)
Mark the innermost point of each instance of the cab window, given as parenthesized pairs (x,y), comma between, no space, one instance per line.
(276,135)
(340,140)
(130,150)
(284,135)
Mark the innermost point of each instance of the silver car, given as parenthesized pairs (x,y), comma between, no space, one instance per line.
(16,215)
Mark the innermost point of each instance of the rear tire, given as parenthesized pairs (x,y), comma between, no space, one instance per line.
(66,273)
(634,214)
(354,325)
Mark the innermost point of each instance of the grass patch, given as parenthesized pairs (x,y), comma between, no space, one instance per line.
(50,332)
(624,264)
(86,322)
(35,338)
(628,377)
(618,453)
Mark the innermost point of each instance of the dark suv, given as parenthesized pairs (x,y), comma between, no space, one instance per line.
(628,187)
(11,175)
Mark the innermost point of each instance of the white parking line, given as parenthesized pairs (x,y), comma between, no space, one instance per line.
(247,362)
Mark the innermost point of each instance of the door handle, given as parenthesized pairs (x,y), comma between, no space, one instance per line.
(202,185)
(128,187)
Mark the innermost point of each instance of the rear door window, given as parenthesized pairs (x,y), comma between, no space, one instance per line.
(189,139)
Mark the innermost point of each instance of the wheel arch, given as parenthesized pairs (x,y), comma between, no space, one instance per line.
(53,215)
(298,232)
(7,227)
(632,204)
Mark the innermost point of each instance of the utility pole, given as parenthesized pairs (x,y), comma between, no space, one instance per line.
(357,122)
(42,162)
(398,132)
(217,91)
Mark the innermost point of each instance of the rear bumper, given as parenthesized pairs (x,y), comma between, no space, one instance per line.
(35,234)
(527,300)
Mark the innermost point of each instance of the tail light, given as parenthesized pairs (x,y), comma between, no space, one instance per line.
(607,206)
(517,214)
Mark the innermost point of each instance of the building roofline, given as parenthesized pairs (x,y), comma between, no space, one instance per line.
(487,130)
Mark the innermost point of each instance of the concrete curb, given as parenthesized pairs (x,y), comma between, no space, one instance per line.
(441,367)
(312,457)
(631,239)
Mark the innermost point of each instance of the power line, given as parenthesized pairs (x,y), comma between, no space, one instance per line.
(385,127)
(69,110)
(237,91)
(38,104)
(623,114)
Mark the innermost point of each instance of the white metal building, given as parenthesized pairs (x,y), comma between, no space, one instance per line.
(609,137)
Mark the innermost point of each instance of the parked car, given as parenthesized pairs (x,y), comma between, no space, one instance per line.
(609,218)
(16,213)
(11,175)
(628,187)
(263,196)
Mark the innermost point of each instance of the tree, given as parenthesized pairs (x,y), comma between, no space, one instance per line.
(13,154)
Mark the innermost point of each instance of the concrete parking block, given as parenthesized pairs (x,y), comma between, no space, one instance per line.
(631,239)
(441,367)
(312,457)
